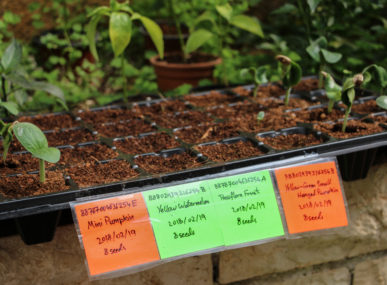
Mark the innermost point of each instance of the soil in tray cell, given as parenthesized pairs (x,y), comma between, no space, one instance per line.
(161,108)
(366,107)
(29,185)
(240,109)
(270,90)
(107,116)
(70,137)
(206,133)
(354,128)
(158,164)
(145,144)
(283,142)
(274,119)
(86,154)
(190,118)
(230,151)
(20,163)
(315,115)
(92,174)
(213,98)
(307,84)
(51,121)
(129,128)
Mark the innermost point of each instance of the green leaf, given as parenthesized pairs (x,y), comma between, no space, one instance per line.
(313,5)
(120,31)
(261,115)
(332,89)
(10,107)
(285,9)
(381,101)
(377,74)
(331,57)
(155,33)
(206,16)
(30,136)
(12,56)
(261,75)
(103,10)
(348,96)
(6,133)
(293,75)
(90,34)
(247,23)
(197,39)
(225,11)
(50,154)
(21,96)
(315,47)
(36,85)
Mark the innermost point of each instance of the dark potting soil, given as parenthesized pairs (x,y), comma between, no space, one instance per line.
(19,163)
(239,109)
(51,121)
(354,128)
(213,98)
(228,152)
(270,90)
(162,108)
(107,116)
(315,115)
(308,84)
(101,173)
(271,121)
(29,184)
(283,142)
(69,137)
(366,107)
(207,132)
(158,164)
(193,58)
(150,143)
(182,119)
(133,127)
(86,154)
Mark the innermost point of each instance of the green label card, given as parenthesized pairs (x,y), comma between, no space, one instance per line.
(247,207)
(183,219)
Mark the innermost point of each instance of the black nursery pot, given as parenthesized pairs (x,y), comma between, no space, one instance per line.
(35,218)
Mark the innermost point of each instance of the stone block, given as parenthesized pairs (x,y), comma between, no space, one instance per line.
(371,272)
(367,232)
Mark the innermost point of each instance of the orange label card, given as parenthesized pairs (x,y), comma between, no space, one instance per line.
(116,233)
(312,197)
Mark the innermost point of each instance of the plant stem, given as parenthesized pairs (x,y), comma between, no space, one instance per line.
(255,91)
(287,96)
(178,28)
(125,84)
(320,76)
(345,119)
(305,18)
(42,171)
(331,103)
(3,89)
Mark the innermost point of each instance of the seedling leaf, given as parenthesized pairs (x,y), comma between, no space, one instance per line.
(331,57)
(197,39)
(225,11)
(120,31)
(10,107)
(247,23)
(381,101)
(155,33)
(90,33)
(12,56)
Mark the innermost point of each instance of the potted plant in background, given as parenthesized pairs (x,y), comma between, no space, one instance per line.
(190,66)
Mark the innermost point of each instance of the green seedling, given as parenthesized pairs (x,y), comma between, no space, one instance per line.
(381,101)
(348,95)
(375,77)
(14,81)
(121,16)
(318,51)
(291,74)
(33,140)
(260,117)
(259,75)
(332,89)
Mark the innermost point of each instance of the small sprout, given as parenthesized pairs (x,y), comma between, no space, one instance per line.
(332,89)
(259,75)
(348,95)
(358,80)
(260,117)
(291,74)
(33,140)
(381,101)
(375,78)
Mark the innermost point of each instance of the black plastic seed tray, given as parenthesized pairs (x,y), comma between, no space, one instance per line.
(131,135)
